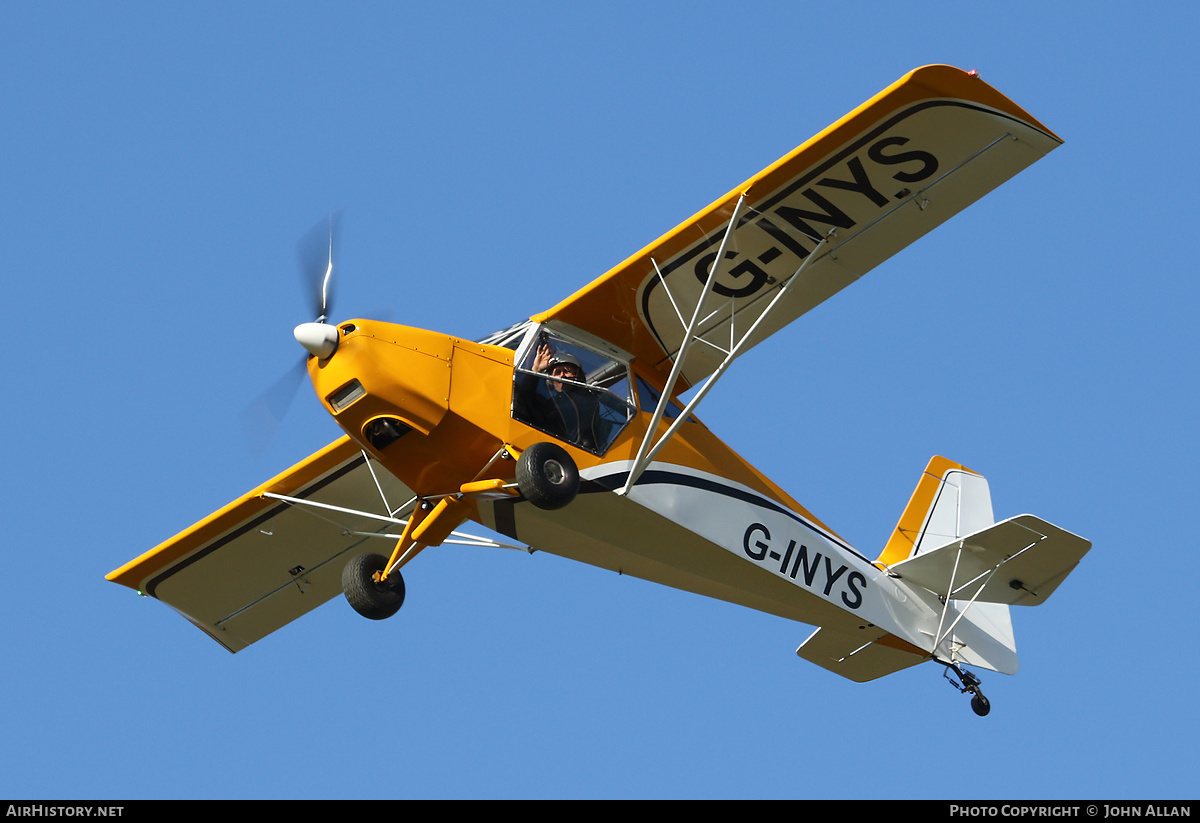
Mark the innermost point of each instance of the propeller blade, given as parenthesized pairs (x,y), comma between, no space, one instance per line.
(261,418)
(317,255)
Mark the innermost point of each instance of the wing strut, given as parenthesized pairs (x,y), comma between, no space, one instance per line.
(646,452)
(460,538)
(379,487)
(643,458)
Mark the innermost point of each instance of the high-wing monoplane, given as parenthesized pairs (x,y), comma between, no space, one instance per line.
(567,432)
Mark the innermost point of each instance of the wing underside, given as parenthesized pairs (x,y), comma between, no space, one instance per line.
(260,563)
(886,174)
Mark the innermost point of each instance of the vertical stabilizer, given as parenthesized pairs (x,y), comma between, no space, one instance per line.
(950,501)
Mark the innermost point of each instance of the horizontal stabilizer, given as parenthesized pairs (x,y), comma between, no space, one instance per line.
(1018,562)
(858,658)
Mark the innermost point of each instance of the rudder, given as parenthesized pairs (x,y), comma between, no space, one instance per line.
(950,501)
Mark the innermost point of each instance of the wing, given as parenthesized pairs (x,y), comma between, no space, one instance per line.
(260,563)
(893,169)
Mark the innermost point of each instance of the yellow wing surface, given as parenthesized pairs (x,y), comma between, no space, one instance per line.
(898,166)
(260,563)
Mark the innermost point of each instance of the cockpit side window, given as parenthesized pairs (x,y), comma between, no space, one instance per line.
(648,399)
(572,392)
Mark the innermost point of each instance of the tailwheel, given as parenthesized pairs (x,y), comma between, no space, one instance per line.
(547,476)
(366,593)
(970,683)
(980,705)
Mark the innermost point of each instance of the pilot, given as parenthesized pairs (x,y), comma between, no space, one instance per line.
(565,409)
(567,366)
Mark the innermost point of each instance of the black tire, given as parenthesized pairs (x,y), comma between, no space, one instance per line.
(371,599)
(547,476)
(980,705)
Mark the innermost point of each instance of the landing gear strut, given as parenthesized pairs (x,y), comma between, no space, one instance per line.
(970,683)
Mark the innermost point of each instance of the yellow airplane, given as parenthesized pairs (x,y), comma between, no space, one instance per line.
(566,433)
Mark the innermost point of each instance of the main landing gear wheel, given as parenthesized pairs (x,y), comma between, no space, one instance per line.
(547,476)
(364,591)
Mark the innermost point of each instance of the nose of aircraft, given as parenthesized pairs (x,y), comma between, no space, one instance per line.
(318,339)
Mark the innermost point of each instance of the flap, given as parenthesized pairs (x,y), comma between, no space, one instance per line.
(259,563)
(1030,555)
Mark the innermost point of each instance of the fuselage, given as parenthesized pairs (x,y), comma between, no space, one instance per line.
(436,409)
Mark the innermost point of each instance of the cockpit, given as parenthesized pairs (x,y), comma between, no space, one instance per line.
(575,392)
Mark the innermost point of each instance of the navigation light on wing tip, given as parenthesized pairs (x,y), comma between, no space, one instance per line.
(319,339)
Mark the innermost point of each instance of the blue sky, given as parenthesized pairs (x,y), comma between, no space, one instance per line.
(160,162)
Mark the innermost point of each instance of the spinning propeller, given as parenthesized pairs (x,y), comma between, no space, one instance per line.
(315,254)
